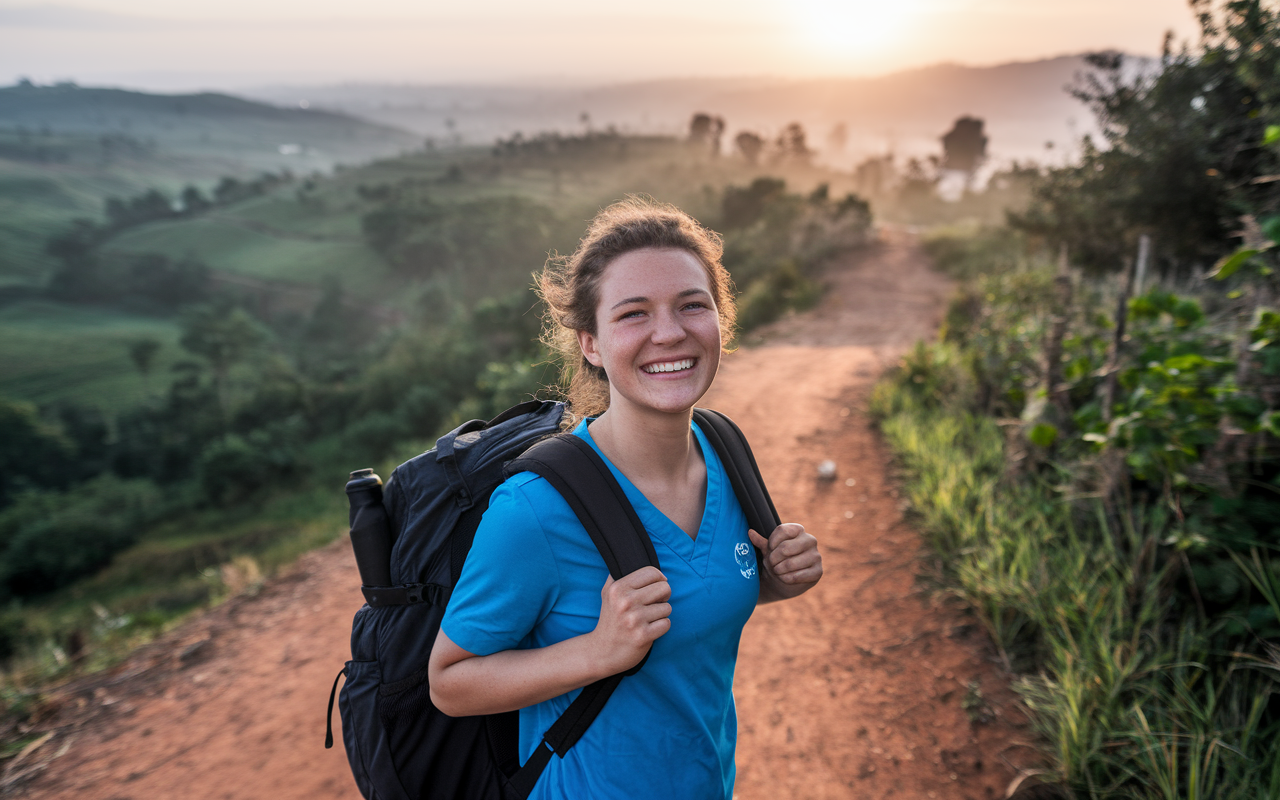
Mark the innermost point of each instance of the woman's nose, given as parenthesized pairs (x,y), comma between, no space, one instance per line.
(667,328)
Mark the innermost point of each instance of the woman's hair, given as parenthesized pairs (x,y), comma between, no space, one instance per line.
(571,286)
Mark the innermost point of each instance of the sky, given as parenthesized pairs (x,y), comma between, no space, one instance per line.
(229,44)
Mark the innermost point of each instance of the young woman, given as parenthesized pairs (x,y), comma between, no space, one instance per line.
(640,313)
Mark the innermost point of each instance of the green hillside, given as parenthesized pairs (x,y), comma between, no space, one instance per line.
(64,150)
(54,352)
(183,384)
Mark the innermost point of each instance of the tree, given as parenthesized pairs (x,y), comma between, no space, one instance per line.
(741,208)
(1184,155)
(76,248)
(705,132)
(150,205)
(143,355)
(223,335)
(874,175)
(750,145)
(32,453)
(791,144)
(193,201)
(918,181)
(964,147)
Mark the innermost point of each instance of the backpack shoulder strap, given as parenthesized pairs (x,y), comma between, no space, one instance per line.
(584,480)
(739,462)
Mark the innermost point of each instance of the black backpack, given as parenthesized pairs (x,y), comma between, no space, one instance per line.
(400,746)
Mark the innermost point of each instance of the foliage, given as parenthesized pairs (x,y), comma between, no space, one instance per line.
(223,335)
(750,146)
(964,147)
(1133,696)
(769,297)
(33,453)
(1119,535)
(422,238)
(775,243)
(150,281)
(1184,155)
(236,468)
(260,397)
(48,539)
(1163,509)
(705,132)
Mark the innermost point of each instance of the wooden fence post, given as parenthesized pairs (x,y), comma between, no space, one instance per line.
(1132,284)
(1055,383)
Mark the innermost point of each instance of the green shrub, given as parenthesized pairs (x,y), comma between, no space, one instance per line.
(374,436)
(239,467)
(52,538)
(1132,698)
(783,289)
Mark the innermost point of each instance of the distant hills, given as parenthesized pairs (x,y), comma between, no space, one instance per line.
(65,149)
(208,124)
(1024,104)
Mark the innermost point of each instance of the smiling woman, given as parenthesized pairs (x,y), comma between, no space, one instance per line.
(535,614)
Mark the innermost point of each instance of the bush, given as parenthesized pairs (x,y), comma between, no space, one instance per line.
(768,298)
(237,468)
(52,538)
(32,453)
(422,410)
(375,435)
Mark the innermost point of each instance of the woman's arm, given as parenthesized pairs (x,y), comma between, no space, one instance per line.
(790,563)
(633,613)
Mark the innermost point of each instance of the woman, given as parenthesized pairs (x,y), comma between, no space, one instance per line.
(639,312)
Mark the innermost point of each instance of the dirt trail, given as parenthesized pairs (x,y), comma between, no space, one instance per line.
(864,687)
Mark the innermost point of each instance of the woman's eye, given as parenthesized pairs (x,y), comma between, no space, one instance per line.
(631,314)
(695,304)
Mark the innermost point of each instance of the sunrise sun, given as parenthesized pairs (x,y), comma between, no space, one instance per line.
(845,27)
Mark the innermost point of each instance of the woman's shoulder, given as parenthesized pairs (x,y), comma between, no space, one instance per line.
(527,499)
(527,485)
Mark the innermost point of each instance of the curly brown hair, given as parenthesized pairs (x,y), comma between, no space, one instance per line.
(571,286)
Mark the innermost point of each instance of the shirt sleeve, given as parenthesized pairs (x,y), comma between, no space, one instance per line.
(510,580)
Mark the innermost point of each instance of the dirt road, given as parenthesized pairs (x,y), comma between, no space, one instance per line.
(865,687)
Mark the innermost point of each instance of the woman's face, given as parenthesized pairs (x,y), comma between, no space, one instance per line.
(657,331)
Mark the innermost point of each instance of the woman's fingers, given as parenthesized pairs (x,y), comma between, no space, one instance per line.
(790,553)
(788,540)
(797,558)
(655,612)
(636,605)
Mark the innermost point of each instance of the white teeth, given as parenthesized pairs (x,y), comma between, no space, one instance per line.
(670,366)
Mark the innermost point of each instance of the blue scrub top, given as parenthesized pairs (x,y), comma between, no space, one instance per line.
(533,578)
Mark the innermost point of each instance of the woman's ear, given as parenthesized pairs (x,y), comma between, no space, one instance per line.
(587,343)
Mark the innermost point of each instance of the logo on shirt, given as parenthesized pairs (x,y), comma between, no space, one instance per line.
(745,555)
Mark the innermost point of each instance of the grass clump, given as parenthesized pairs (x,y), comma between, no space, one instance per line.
(1135,598)
(1132,696)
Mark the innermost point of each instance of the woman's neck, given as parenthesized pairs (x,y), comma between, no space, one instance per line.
(646,447)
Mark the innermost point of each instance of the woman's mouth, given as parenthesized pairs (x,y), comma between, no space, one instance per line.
(669,366)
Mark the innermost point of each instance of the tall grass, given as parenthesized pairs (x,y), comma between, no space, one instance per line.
(1125,692)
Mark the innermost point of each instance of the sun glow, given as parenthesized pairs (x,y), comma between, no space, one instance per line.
(853,27)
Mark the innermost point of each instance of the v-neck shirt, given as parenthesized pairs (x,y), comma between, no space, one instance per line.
(533,578)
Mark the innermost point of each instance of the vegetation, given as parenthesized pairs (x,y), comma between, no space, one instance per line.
(226,352)
(1093,446)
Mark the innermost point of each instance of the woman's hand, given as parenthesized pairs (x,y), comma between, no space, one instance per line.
(634,612)
(790,562)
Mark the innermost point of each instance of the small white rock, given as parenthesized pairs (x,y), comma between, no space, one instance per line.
(827,470)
